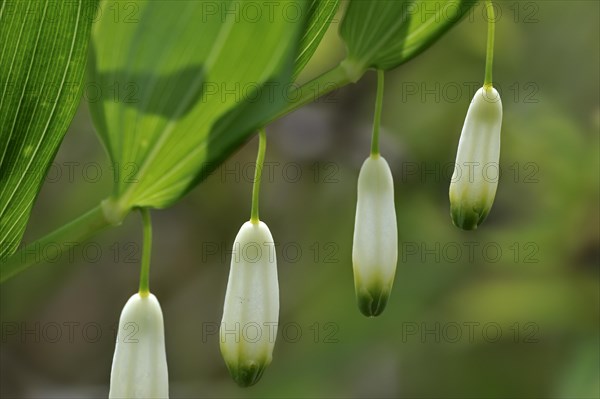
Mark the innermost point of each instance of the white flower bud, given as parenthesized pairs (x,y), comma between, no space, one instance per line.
(251,310)
(476,171)
(375,249)
(139,368)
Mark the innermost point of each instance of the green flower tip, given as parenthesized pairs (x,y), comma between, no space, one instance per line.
(468,218)
(371,301)
(247,374)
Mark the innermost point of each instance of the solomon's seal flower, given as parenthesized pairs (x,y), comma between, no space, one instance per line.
(375,248)
(251,309)
(139,368)
(476,171)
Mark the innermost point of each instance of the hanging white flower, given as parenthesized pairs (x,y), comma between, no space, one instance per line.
(139,368)
(375,248)
(251,310)
(476,171)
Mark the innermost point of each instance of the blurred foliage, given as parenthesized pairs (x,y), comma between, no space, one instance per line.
(545,301)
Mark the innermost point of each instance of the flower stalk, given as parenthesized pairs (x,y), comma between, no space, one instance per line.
(260,160)
(147,251)
(378,111)
(489,60)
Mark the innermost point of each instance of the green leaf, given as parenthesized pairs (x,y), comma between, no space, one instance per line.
(42,61)
(183,84)
(320,15)
(383,34)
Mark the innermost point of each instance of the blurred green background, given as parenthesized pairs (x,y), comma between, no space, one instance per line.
(508,311)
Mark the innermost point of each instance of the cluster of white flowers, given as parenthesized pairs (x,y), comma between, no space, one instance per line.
(139,367)
(252,298)
(375,249)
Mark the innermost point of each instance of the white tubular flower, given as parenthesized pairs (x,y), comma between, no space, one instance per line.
(251,309)
(139,368)
(375,248)
(476,171)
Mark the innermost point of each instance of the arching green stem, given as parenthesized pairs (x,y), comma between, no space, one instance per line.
(378,110)
(107,214)
(260,160)
(490,43)
(146,252)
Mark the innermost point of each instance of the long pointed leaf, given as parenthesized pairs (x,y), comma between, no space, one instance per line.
(42,59)
(193,65)
(386,33)
(320,15)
